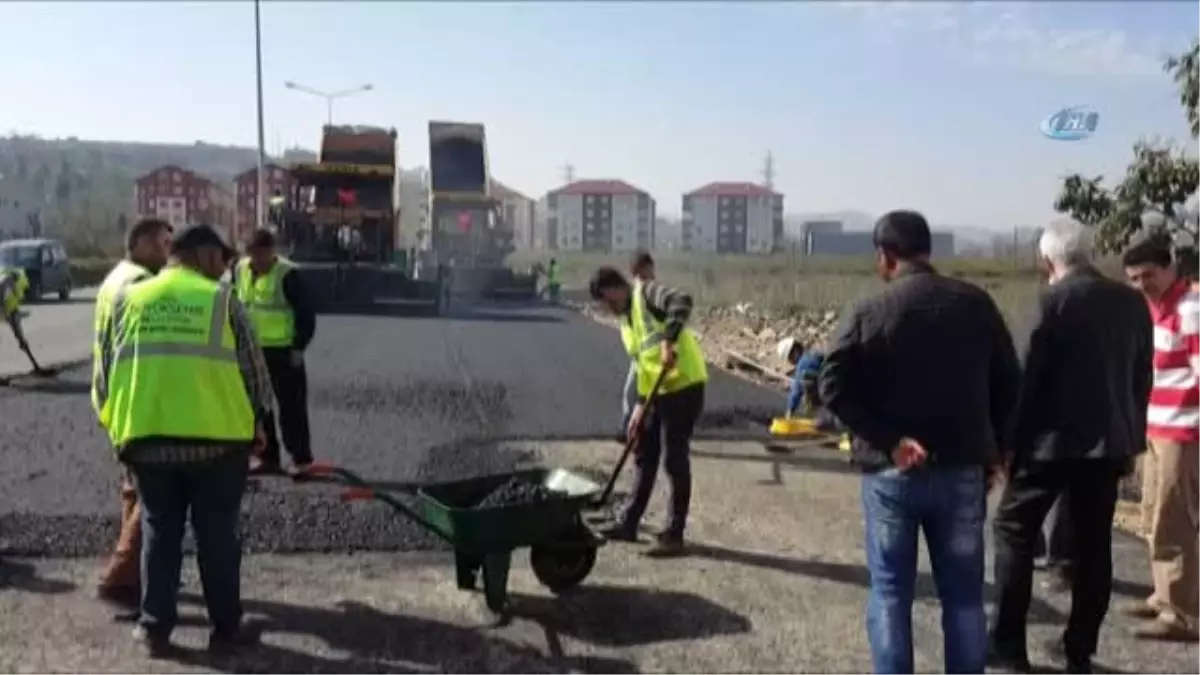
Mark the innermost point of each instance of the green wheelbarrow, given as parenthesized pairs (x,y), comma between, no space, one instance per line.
(562,548)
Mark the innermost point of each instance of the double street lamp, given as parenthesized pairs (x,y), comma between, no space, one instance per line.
(329,97)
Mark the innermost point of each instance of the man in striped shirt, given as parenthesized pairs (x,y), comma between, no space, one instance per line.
(1170,493)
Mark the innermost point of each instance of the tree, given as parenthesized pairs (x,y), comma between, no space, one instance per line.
(1158,186)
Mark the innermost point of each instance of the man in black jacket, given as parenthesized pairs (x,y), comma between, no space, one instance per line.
(924,375)
(1080,422)
(285,320)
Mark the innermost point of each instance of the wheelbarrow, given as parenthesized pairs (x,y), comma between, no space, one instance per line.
(562,549)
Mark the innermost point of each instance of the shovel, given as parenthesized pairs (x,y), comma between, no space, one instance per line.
(630,443)
(37,368)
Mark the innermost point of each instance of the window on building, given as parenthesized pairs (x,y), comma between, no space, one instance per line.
(177,177)
(178,190)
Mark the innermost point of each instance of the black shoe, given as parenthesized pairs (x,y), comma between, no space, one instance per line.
(1008,660)
(619,532)
(226,642)
(155,645)
(667,545)
(1058,650)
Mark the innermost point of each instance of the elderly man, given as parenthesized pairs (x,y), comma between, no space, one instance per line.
(1171,471)
(924,376)
(1079,424)
(147,246)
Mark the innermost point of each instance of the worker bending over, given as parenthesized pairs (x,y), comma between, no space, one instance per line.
(183,392)
(284,319)
(656,318)
(13,285)
(642,269)
(147,246)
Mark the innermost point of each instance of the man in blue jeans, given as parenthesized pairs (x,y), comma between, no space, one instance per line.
(924,375)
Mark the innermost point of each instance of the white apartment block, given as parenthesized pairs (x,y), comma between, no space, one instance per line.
(516,213)
(596,215)
(732,218)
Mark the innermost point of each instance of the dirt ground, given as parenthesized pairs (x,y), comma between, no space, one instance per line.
(774,582)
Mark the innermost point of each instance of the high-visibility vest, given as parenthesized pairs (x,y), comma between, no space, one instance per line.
(174,371)
(20,285)
(648,334)
(552,275)
(628,338)
(273,319)
(122,275)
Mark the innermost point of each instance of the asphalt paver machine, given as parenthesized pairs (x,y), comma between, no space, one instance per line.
(339,226)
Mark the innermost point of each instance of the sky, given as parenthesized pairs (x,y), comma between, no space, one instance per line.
(865,106)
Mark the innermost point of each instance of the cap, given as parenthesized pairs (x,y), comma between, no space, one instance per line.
(194,237)
(785,347)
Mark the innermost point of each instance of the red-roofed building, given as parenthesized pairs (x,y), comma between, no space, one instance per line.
(245,189)
(183,197)
(733,218)
(596,215)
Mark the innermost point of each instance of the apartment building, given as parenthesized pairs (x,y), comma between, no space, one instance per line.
(516,213)
(183,197)
(596,215)
(245,191)
(732,218)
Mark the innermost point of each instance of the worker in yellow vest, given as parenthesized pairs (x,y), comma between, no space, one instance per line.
(663,420)
(147,246)
(13,286)
(183,391)
(285,319)
(641,267)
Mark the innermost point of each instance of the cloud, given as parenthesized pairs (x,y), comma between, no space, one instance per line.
(1014,35)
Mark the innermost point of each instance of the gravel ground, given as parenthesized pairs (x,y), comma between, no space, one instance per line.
(397,399)
(775,583)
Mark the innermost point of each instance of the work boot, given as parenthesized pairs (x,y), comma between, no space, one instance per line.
(155,645)
(1008,660)
(667,545)
(227,642)
(619,532)
(119,584)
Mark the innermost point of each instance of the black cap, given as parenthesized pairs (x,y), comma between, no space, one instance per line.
(193,237)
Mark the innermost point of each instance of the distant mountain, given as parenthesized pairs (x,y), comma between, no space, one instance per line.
(84,189)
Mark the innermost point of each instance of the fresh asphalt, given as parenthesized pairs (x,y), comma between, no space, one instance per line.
(397,399)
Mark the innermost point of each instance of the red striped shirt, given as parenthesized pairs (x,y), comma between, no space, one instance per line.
(1174,412)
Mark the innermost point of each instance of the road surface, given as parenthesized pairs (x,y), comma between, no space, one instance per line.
(398,399)
(57,331)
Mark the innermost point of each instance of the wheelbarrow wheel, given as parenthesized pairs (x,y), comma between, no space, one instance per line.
(563,567)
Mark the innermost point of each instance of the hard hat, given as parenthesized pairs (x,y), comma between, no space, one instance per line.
(785,346)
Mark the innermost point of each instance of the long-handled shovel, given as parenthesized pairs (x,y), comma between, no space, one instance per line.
(37,368)
(630,442)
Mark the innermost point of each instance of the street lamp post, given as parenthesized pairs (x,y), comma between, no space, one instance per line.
(329,97)
(260,206)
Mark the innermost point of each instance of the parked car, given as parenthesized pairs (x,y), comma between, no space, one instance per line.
(45,263)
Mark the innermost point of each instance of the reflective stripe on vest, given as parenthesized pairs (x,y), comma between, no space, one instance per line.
(263,297)
(122,275)
(648,332)
(175,371)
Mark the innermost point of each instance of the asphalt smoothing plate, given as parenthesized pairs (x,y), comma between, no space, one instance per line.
(396,399)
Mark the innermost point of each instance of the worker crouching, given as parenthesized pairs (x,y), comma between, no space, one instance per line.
(667,355)
(285,320)
(146,249)
(182,391)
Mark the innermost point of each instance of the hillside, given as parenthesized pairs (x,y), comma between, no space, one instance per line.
(81,190)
